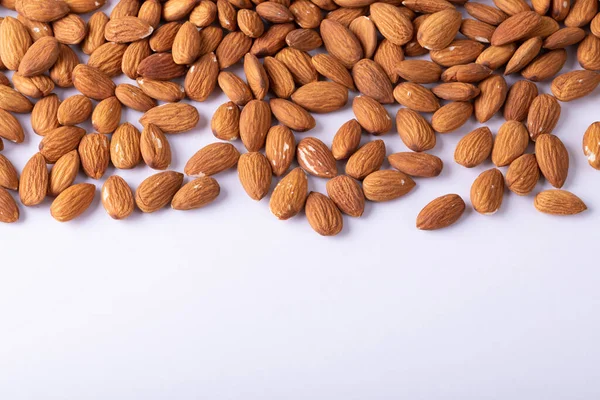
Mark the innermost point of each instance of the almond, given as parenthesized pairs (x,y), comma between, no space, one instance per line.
(487,192)
(107,115)
(289,195)
(34,181)
(14,42)
(196,194)
(591,145)
(72,202)
(250,23)
(391,23)
(210,38)
(458,52)
(416,97)
(523,174)
(455,91)
(316,158)
(419,71)
(365,31)
(331,68)
(127,29)
(95,32)
(280,149)
(74,110)
(256,76)
(254,171)
(63,173)
(42,11)
(39,57)
(44,115)
(160,66)
(414,130)
(272,40)
(117,197)
(545,66)
(70,29)
(292,115)
(62,71)
(234,88)
(467,73)
(155,148)
(108,58)
(323,215)
(477,30)
(232,48)
(474,148)
(92,82)
(162,39)
(133,56)
(174,10)
(519,99)
(134,97)
(575,84)
(172,117)
(588,53)
(560,9)
(9,211)
(371,115)
(299,64)
(35,86)
(416,164)
(255,121)
(347,195)
(515,27)
(366,160)
(321,97)
(346,140)
(496,56)
(274,12)
(226,13)
(512,7)
(545,28)
(84,6)
(124,8)
(524,54)
(157,191)
(36,29)
(170,92)
(559,202)
(10,128)
(212,159)
(553,159)
(341,43)
(94,152)
(60,141)
(371,80)
(281,81)
(581,13)
(13,101)
(386,185)
(543,116)
(186,45)
(125,147)
(306,14)
(225,123)
(439,30)
(451,116)
(485,13)
(8,174)
(441,212)
(492,95)
(563,38)
(201,78)
(387,55)
(428,6)
(345,15)
(510,143)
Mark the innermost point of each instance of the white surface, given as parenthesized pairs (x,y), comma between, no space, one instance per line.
(227,302)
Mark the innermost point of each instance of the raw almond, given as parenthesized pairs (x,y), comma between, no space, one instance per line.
(492,95)
(559,202)
(477,30)
(84,6)
(323,215)
(341,43)
(42,11)
(9,211)
(496,56)
(13,101)
(60,141)
(72,202)
(95,32)
(575,84)
(36,29)
(474,148)
(414,130)
(347,195)
(92,82)
(391,23)
(108,58)
(512,7)
(234,88)
(455,91)
(321,97)
(174,10)
(428,6)
(94,152)
(387,55)
(543,116)
(34,86)
(196,194)
(125,7)
(441,212)
(274,12)
(458,52)
(346,140)
(134,97)
(563,38)
(331,68)
(365,31)
(451,116)
(371,115)
(416,97)
(250,23)
(232,48)
(515,27)
(39,57)
(289,195)
(34,181)
(255,174)
(70,29)
(272,40)
(14,42)
(225,123)
(155,148)
(201,78)
(186,45)
(227,15)
(524,54)
(523,174)
(519,99)
(210,38)
(467,73)
(117,198)
(371,80)
(157,190)
(74,110)
(133,56)
(553,159)
(292,115)
(485,13)
(366,160)
(510,143)
(255,121)
(63,173)
(416,164)
(306,14)
(316,158)
(8,174)
(299,64)
(487,192)
(127,29)
(212,159)
(419,71)
(170,92)
(160,66)
(256,76)
(280,148)
(591,145)
(545,66)
(386,185)
(172,117)
(10,128)
(204,14)
(581,13)
(107,115)
(281,81)
(588,53)
(125,147)
(439,30)
(62,70)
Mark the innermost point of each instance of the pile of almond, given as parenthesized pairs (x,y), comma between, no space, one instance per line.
(300,57)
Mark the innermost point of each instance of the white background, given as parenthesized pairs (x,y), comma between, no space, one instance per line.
(227,302)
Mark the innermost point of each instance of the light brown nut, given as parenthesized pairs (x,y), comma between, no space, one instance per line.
(289,195)
(346,140)
(416,164)
(315,158)
(125,147)
(414,130)
(487,192)
(155,148)
(368,158)
(386,185)
(559,202)
(523,174)
(196,194)
(474,148)
(255,174)
(347,195)
(441,212)
(212,159)
(157,191)
(553,159)
(117,198)
(72,202)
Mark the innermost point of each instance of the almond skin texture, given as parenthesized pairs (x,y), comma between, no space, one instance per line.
(315,158)
(515,27)
(510,143)
(591,145)
(462,51)
(414,130)
(117,198)
(125,147)
(346,140)
(201,78)
(44,115)
(232,48)
(451,116)
(347,195)
(416,164)
(60,141)
(134,97)
(95,36)
(419,71)
(289,195)
(172,118)
(545,66)
(157,191)
(441,212)
(94,152)
(493,92)
(133,56)
(255,121)
(575,84)
(391,23)
(72,202)
(92,82)
(366,159)
(321,97)
(299,64)
(107,115)
(225,123)
(323,215)
(371,80)
(467,73)
(160,66)
(10,128)
(523,55)
(127,29)
(186,46)
(553,159)
(14,42)
(281,81)
(519,99)
(254,171)
(234,88)
(61,72)
(171,92)
(474,148)
(331,68)
(487,192)
(454,91)
(212,159)
(292,115)
(42,11)
(196,194)
(155,148)
(63,173)
(543,115)
(386,185)
(439,30)
(371,115)
(74,110)
(39,57)
(558,202)
(523,174)
(341,43)
(13,101)
(8,174)
(9,211)
(256,76)
(416,97)
(34,181)
(280,149)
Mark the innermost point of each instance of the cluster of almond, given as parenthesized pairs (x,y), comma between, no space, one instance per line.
(156,42)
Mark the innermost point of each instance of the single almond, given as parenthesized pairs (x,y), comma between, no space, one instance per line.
(60,141)
(232,48)
(462,51)
(299,64)
(519,99)
(477,30)
(451,116)
(367,159)
(280,148)
(95,32)
(371,115)
(371,80)
(575,84)
(44,115)
(347,195)
(391,23)
(545,66)
(581,13)
(292,115)
(341,43)
(563,38)
(170,92)
(274,12)
(43,11)
(387,55)
(496,56)
(160,66)
(306,14)
(124,8)
(487,192)
(543,115)
(14,42)
(151,12)
(316,158)
(455,91)
(441,212)
(13,101)
(108,58)
(40,57)
(227,15)
(9,211)
(8,174)
(70,29)
(510,143)
(416,97)
(255,174)
(467,73)
(553,159)
(255,121)
(272,40)
(439,30)
(212,159)
(34,181)
(201,78)
(196,194)
(256,76)
(474,148)
(485,13)
(234,88)
(133,56)
(10,128)
(134,97)
(157,190)
(250,23)
(117,198)
(524,54)
(591,145)
(35,86)
(72,202)
(428,6)
(63,173)
(365,31)
(416,164)
(127,29)
(74,110)
(331,68)
(94,152)
(61,72)
(186,45)
(204,14)
(125,147)
(559,202)
(172,117)
(323,215)
(493,92)
(225,123)
(289,195)
(523,174)
(419,71)
(515,27)
(92,82)
(386,185)
(414,130)
(321,97)
(588,53)
(107,115)
(210,38)
(346,140)
(281,81)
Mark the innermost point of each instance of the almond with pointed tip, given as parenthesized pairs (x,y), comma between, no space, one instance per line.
(391,23)
(419,71)
(125,147)
(331,68)
(92,82)
(321,97)
(272,40)
(95,32)
(127,29)
(201,78)
(558,202)
(42,11)
(441,212)
(346,140)
(591,145)
(371,115)
(74,110)
(255,174)
(172,117)
(515,27)
(316,158)
(474,148)
(225,123)
(416,164)
(60,141)
(387,55)
(13,101)
(250,23)
(44,115)
(367,159)
(347,195)
(170,92)
(35,86)
(493,92)
(451,116)
(160,66)
(155,148)
(232,48)
(34,181)
(467,73)
(70,29)
(107,115)
(9,211)
(234,88)
(519,99)
(280,148)
(72,202)
(487,192)
(543,115)
(94,152)
(545,66)
(10,128)
(61,72)
(524,54)
(196,194)
(255,121)
(281,81)
(386,185)
(133,56)
(186,45)
(299,64)
(212,159)
(289,195)
(454,91)
(341,43)
(414,130)
(553,159)
(416,97)
(365,31)
(323,215)
(439,29)
(157,190)
(14,42)
(485,13)
(523,174)
(292,115)
(575,84)
(510,143)
(8,174)
(371,80)
(117,198)
(63,173)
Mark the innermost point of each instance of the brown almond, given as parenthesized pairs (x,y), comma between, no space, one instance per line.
(255,121)
(553,159)
(43,11)
(371,115)
(512,7)
(524,54)
(591,145)
(485,13)
(134,97)
(416,97)
(34,86)
(467,73)
(496,56)
(493,92)
(92,82)
(254,171)
(347,195)
(323,215)
(365,31)
(107,115)
(523,174)
(419,71)
(321,97)
(474,148)
(451,116)
(60,141)
(34,181)
(74,110)
(40,57)
(117,198)
(108,58)
(416,164)
(232,48)
(201,78)
(13,101)
(210,38)
(9,211)
(151,12)
(371,80)
(289,195)
(72,202)
(455,91)
(574,84)
(70,29)
(341,43)
(157,190)
(272,40)
(306,14)
(186,45)
(543,115)
(515,27)
(519,99)
(281,81)
(160,66)
(368,158)
(346,140)
(170,92)
(172,117)
(315,158)
(386,185)
(487,192)
(280,148)
(299,64)
(155,148)
(8,174)
(477,30)
(391,23)
(439,30)
(127,29)
(331,68)
(225,123)
(124,8)
(196,194)
(14,42)
(441,212)
(292,115)
(94,152)
(256,76)
(95,32)
(234,88)
(250,23)
(387,55)
(510,143)
(44,115)
(62,71)
(462,51)
(274,12)
(10,128)
(125,147)
(212,159)
(414,130)
(558,202)
(133,56)
(227,15)
(588,53)
(545,66)
(63,173)
(563,38)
